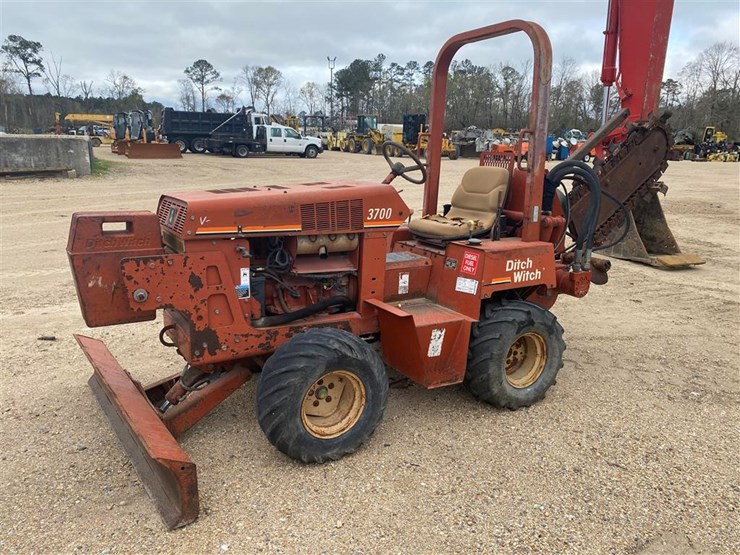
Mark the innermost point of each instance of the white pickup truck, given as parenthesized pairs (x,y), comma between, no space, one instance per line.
(256,134)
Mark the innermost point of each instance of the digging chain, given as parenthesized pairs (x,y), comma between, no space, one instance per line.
(648,187)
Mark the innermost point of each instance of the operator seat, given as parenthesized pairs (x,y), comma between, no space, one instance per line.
(477,199)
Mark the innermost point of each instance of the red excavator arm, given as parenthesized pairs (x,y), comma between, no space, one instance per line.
(638,31)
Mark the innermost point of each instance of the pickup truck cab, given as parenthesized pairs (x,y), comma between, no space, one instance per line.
(260,136)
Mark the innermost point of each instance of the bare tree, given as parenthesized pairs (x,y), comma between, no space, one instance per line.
(121,85)
(203,75)
(187,95)
(289,104)
(86,89)
(58,83)
(24,55)
(311,97)
(248,76)
(235,93)
(268,80)
(225,102)
(9,82)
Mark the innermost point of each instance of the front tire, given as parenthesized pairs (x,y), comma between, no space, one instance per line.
(321,395)
(515,353)
(95,141)
(181,143)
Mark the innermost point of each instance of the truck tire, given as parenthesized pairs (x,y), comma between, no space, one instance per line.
(321,395)
(352,146)
(515,353)
(454,153)
(198,145)
(241,151)
(368,145)
(95,141)
(587,157)
(182,143)
(311,151)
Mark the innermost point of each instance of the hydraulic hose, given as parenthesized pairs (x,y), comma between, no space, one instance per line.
(280,319)
(574,168)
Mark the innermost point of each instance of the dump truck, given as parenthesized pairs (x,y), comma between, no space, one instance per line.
(189,130)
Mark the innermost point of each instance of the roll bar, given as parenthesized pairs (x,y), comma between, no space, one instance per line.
(537,130)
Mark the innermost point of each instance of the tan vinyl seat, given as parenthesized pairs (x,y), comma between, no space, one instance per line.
(477,199)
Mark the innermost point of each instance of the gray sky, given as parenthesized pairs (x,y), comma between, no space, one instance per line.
(154,41)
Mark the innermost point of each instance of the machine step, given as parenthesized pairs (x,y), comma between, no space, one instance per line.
(424,341)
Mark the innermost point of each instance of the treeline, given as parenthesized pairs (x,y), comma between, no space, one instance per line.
(26,114)
(706,91)
(486,97)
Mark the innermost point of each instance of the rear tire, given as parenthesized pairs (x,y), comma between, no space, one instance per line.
(241,151)
(515,353)
(587,158)
(454,153)
(368,145)
(295,408)
(198,145)
(311,151)
(352,146)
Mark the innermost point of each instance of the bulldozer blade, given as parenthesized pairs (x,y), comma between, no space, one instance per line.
(649,239)
(153,150)
(164,469)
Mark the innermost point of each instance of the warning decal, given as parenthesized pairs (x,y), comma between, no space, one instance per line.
(403,283)
(435,342)
(465,285)
(470,262)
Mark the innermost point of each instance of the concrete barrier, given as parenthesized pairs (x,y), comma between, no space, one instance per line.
(21,154)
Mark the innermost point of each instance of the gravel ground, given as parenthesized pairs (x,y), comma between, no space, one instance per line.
(633,451)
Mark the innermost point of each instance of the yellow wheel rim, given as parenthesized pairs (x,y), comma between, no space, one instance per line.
(526,360)
(333,404)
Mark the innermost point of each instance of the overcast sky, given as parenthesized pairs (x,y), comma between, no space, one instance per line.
(154,41)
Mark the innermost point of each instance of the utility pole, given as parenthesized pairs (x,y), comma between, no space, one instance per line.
(331,85)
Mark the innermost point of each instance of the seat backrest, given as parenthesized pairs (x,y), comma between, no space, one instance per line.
(482,189)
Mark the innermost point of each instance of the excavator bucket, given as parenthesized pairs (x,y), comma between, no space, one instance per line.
(153,150)
(164,469)
(649,239)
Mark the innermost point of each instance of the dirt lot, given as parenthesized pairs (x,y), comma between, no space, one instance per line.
(635,450)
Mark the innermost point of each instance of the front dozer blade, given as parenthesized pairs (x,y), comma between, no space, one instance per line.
(164,469)
(649,239)
(153,150)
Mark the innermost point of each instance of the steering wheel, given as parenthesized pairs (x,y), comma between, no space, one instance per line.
(398,168)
